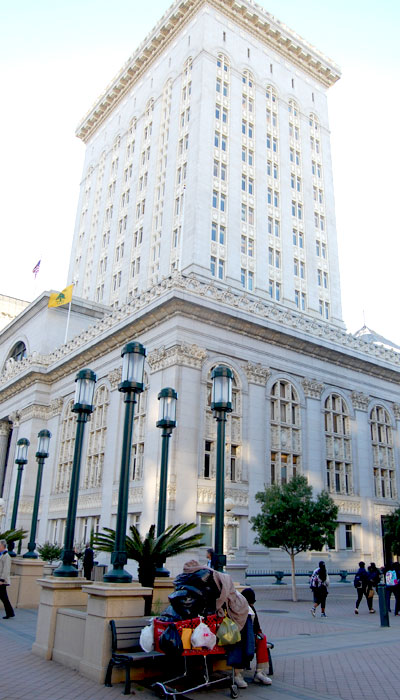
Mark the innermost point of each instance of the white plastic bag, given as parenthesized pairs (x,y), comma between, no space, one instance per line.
(203,637)
(146,639)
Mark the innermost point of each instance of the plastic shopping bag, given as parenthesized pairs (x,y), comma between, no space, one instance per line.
(146,639)
(228,632)
(203,637)
(171,642)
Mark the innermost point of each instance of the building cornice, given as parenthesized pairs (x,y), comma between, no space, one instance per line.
(216,305)
(246,14)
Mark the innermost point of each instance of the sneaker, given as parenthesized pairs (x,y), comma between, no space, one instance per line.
(260,677)
(312,611)
(323,614)
(239,680)
(371,611)
(356,611)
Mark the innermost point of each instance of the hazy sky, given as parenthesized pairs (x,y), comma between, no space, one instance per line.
(57,56)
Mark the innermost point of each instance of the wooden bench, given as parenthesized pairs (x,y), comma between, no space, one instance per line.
(126,650)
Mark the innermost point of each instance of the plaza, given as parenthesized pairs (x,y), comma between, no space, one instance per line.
(342,656)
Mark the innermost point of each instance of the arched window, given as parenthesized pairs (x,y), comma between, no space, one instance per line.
(233,437)
(139,428)
(285,433)
(382,451)
(67,445)
(339,476)
(247,79)
(223,63)
(18,352)
(97,439)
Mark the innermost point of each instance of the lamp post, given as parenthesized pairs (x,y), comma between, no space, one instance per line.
(41,454)
(167,422)
(21,459)
(133,355)
(83,406)
(221,404)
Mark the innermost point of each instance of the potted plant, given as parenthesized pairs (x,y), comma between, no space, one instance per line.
(49,552)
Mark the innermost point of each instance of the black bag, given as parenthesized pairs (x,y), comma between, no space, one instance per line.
(357,581)
(171,642)
(188,602)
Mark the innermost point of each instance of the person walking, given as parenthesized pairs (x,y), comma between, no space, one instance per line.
(5,569)
(361,583)
(374,577)
(396,588)
(319,583)
(88,559)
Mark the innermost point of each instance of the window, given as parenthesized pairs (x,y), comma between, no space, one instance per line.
(383,454)
(285,456)
(18,352)
(274,290)
(206,528)
(207,459)
(97,439)
(217,267)
(297,210)
(67,445)
(349,536)
(338,445)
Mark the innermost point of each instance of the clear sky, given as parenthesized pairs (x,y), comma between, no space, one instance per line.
(57,56)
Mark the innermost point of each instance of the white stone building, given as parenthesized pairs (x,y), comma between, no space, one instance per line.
(206,231)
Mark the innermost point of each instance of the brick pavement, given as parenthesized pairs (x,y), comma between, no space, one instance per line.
(343,656)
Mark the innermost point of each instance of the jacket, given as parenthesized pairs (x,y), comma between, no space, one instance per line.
(5,568)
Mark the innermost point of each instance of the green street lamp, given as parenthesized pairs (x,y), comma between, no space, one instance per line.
(41,454)
(221,404)
(167,422)
(133,355)
(83,406)
(21,459)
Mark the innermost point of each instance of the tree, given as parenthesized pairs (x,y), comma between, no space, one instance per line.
(150,550)
(392,530)
(292,520)
(11,536)
(49,552)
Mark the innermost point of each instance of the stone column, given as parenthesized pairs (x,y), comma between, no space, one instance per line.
(4,434)
(313,448)
(55,593)
(107,601)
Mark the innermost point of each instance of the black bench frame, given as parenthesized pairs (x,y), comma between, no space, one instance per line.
(126,650)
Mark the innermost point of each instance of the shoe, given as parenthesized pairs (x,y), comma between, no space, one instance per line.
(260,677)
(356,611)
(324,614)
(371,611)
(312,611)
(7,617)
(239,680)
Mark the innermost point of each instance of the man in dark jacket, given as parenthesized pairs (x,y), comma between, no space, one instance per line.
(88,558)
(361,582)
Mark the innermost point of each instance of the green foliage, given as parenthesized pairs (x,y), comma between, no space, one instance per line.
(150,550)
(292,520)
(392,530)
(49,552)
(13,535)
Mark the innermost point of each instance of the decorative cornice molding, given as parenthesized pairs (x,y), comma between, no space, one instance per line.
(359,400)
(206,495)
(396,411)
(349,507)
(245,13)
(115,377)
(312,388)
(34,411)
(181,354)
(56,407)
(256,373)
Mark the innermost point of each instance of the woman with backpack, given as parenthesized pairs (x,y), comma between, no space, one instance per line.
(319,583)
(361,583)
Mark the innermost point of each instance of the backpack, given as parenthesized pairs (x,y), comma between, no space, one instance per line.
(314,580)
(357,581)
(391,578)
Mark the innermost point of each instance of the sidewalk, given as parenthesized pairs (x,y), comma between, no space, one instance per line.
(343,656)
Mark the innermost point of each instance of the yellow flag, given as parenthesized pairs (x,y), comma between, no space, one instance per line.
(61,298)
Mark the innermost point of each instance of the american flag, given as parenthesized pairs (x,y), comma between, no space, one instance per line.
(36,268)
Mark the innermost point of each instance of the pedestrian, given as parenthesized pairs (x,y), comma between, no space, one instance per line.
(88,559)
(260,640)
(361,583)
(319,583)
(374,577)
(210,558)
(392,578)
(5,569)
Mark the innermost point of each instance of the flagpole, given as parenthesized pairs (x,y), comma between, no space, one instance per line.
(69,314)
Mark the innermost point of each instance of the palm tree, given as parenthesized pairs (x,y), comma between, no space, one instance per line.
(150,551)
(11,536)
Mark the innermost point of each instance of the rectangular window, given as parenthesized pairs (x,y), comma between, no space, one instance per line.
(207,459)
(206,529)
(349,536)
(297,298)
(214,229)
(222,235)
(213,266)
(221,269)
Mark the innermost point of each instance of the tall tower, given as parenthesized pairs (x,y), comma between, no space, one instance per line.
(209,154)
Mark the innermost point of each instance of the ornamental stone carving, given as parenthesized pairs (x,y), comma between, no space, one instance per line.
(171,492)
(360,401)
(34,411)
(380,510)
(56,407)
(180,354)
(115,377)
(312,388)
(135,496)
(206,495)
(256,373)
(14,418)
(58,505)
(349,507)
(25,507)
(4,428)
(396,411)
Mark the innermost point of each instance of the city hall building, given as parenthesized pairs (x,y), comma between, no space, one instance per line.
(206,231)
